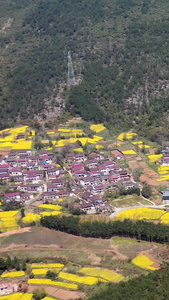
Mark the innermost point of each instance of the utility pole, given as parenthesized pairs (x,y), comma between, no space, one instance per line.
(71,76)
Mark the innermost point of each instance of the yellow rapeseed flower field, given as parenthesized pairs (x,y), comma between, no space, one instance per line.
(48,266)
(99,147)
(97,128)
(26,296)
(103,273)
(154,158)
(8,214)
(144,146)
(13,274)
(163,178)
(127,136)
(79,279)
(140,214)
(137,143)
(64,130)
(51,206)
(43,271)
(144,262)
(52,213)
(31,217)
(8,224)
(16,296)
(71,286)
(129,152)
(165,218)
(97,138)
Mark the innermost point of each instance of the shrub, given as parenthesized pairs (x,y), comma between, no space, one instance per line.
(39,294)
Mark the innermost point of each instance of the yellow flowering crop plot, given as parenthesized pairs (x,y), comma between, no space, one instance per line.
(161,172)
(137,143)
(8,214)
(51,206)
(49,266)
(129,152)
(99,147)
(97,138)
(103,273)
(97,128)
(64,130)
(163,168)
(52,213)
(16,296)
(144,146)
(91,141)
(163,178)
(144,262)
(18,130)
(140,214)
(78,150)
(31,217)
(13,274)
(22,145)
(165,218)
(8,224)
(83,140)
(43,271)
(79,279)
(71,286)
(127,136)
(26,296)
(51,132)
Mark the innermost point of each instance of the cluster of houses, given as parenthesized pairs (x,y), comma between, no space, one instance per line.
(95,175)
(7,288)
(29,174)
(38,175)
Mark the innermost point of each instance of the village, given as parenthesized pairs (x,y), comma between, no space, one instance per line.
(68,173)
(31,176)
(73,170)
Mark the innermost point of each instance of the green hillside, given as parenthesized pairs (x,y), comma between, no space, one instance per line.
(120,51)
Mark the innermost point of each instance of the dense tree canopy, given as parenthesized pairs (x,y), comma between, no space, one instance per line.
(140,230)
(120,56)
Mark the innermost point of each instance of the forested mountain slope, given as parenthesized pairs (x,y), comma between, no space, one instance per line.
(120,51)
